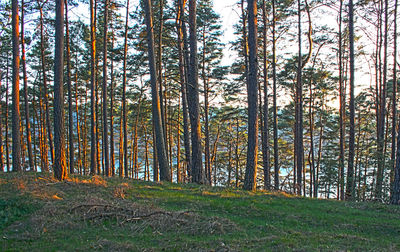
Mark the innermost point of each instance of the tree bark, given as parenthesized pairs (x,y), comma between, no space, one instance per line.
(105,122)
(183,79)
(193,98)
(69,84)
(265,129)
(299,150)
(60,169)
(112,154)
(350,169)
(275,109)
(16,143)
(93,147)
(252,90)
(156,110)
(124,114)
(395,195)
(382,114)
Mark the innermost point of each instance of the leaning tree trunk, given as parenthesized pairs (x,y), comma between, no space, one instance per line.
(158,128)
(252,144)
(60,169)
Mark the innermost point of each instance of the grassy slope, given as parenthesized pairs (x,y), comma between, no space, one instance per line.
(39,214)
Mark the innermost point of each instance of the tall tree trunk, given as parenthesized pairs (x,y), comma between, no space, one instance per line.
(252,143)
(299,150)
(156,110)
(382,113)
(46,96)
(124,116)
(350,169)
(93,147)
(163,102)
(112,154)
(77,114)
(396,167)
(16,143)
(265,135)
(60,169)
(275,109)
(395,195)
(193,98)
(183,80)
(69,84)
(105,122)
(342,107)
(206,120)
(26,102)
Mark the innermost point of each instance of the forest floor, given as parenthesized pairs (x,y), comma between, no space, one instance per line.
(38,213)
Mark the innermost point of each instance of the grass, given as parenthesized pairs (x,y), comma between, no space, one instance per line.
(38,213)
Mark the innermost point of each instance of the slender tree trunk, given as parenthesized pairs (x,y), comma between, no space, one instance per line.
(252,144)
(395,185)
(299,150)
(121,166)
(93,147)
(112,155)
(183,80)
(124,114)
(342,107)
(1,133)
(193,98)
(350,169)
(265,135)
(6,117)
(159,133)
(46,96)
(163,102)
(206,120)
(16,143)
(77,114)
(105,122)
(60,169)
(382,113)
(69,84)
(275,109)
(26,102)
(237,153)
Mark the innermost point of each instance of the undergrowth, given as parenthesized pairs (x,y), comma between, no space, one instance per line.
(38,213)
